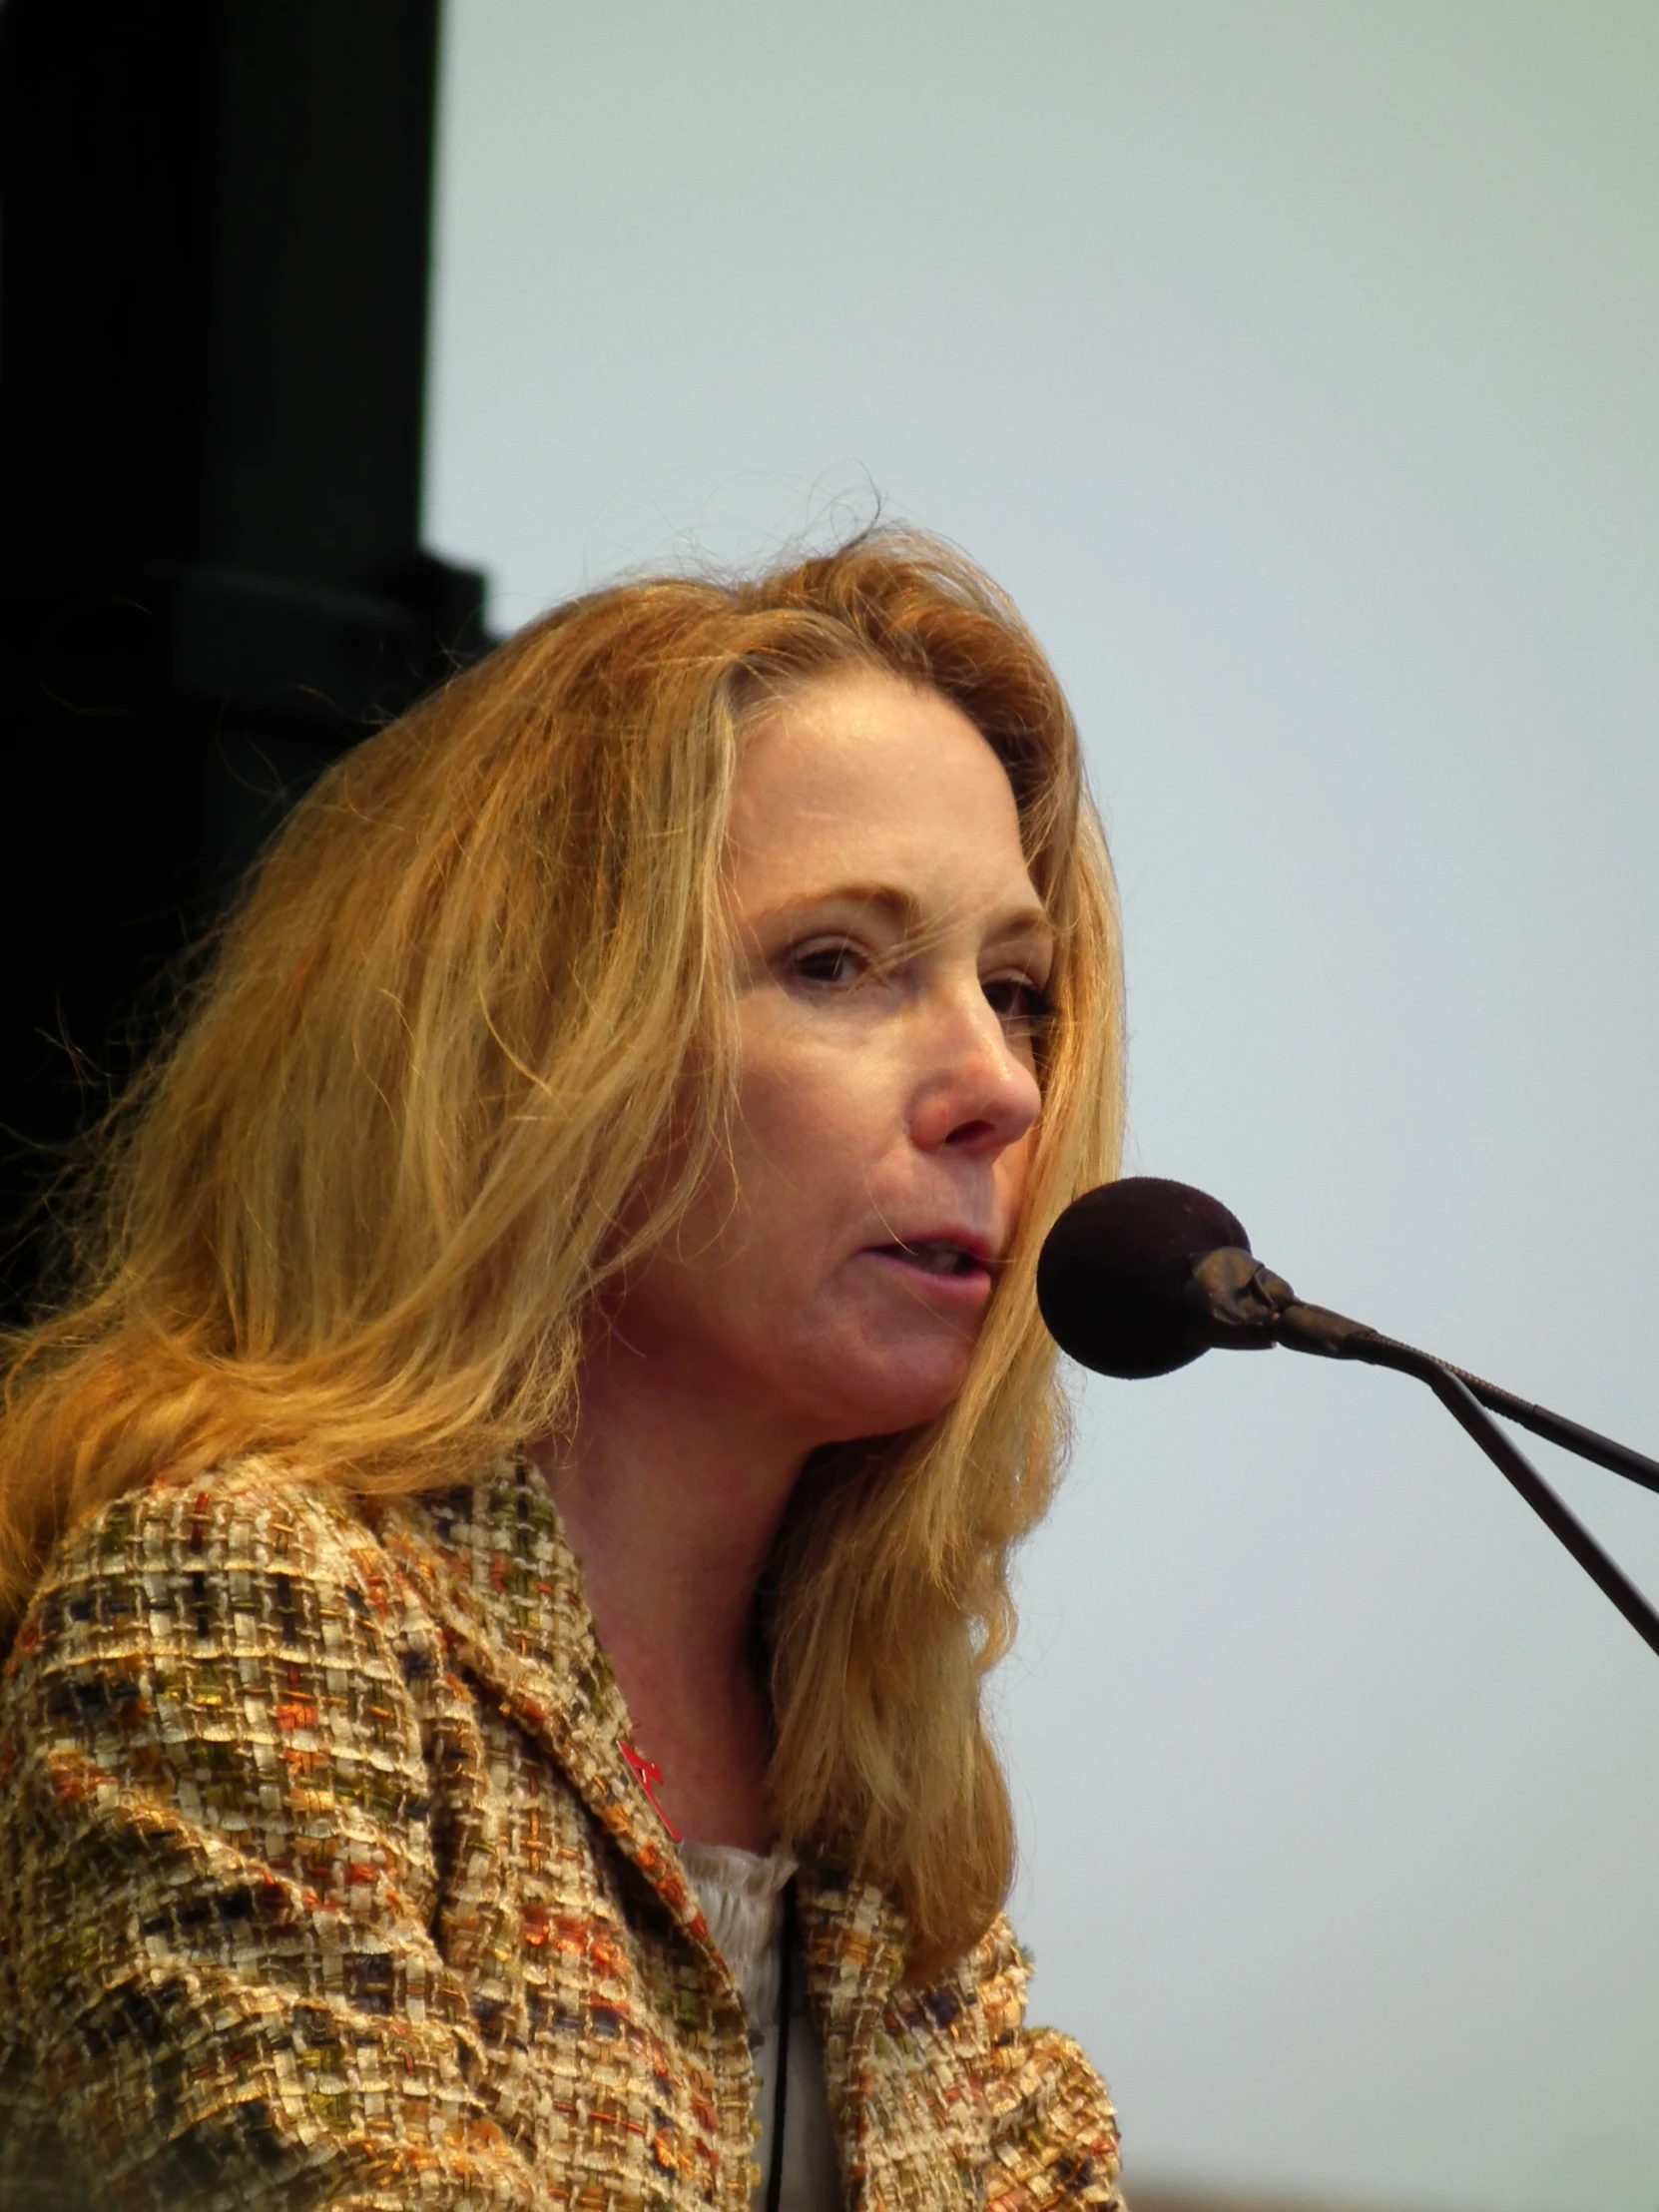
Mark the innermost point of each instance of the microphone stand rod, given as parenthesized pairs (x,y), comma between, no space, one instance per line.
(1559,1431)
(1315,1329)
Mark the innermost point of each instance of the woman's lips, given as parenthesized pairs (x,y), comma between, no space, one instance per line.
(944,1268)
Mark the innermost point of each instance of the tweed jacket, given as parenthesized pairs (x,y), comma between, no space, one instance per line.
(325,1881)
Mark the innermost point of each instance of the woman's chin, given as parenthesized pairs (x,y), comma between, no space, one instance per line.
(894,1400)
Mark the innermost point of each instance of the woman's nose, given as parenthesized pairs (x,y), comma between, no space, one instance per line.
(977,1091)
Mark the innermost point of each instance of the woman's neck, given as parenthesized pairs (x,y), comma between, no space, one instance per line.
(671,1500)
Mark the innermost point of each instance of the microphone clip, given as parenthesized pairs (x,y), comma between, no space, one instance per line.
(1241,1306)
(1237,1302)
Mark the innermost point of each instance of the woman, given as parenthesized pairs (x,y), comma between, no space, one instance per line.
(507,1540)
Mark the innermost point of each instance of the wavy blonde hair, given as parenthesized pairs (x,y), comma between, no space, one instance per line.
(357,1214)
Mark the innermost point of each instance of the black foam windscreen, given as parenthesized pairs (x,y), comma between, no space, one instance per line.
(1113,1271)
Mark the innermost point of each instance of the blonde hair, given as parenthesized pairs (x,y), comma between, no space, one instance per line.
(357,1214)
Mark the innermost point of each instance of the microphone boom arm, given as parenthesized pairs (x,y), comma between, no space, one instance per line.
(1303,1327)
(1235,1300)
(1317,1329)
(1460,1401)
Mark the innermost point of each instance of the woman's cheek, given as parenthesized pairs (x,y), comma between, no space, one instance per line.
(799,1101)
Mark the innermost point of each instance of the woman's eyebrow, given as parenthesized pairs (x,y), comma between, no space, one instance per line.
(904,909)
(900,907)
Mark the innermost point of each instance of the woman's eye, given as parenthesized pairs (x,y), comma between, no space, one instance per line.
(1018,1003)
(834,963)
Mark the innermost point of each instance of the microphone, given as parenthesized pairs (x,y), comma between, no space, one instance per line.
(1143,1276)
(1117,1283)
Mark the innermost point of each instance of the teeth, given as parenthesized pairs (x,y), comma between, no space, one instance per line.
(937,1259)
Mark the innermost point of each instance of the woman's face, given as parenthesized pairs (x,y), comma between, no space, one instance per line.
(891,957)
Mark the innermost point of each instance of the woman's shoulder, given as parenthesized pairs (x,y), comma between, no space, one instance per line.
(250,1507)
(199,1555)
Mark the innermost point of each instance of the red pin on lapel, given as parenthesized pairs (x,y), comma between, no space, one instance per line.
(648,1776)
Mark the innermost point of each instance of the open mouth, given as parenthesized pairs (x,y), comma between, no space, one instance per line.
(936,1258)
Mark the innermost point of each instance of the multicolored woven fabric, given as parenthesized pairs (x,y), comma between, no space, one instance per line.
(325,1882)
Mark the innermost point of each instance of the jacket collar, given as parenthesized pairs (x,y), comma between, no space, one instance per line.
(493,1564)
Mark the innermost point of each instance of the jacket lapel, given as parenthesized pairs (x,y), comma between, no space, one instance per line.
(493,1564)
(491,1561)
(854,1941)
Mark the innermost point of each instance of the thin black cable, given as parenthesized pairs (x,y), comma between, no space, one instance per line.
(779,2094)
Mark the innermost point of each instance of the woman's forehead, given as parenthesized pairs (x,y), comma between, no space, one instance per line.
(860,767)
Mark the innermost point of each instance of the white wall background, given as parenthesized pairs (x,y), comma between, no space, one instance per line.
(1297,365)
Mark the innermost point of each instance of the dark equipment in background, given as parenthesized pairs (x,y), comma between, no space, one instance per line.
(215,221)
(1142,1276)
